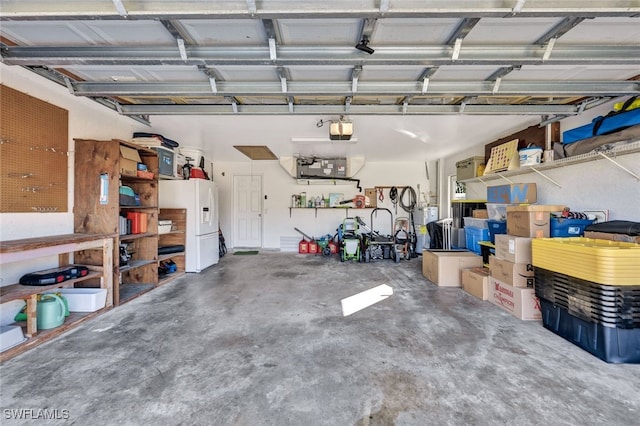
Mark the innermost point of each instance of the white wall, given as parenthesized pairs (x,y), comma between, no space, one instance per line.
(278,186)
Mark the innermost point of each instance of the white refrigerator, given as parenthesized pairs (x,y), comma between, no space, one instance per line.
(200,198)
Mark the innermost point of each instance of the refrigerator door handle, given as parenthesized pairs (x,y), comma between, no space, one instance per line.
(211,201)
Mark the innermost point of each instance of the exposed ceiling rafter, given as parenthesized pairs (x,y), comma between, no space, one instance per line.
(64,10)
(320,55)
(372,88)
(462,30)
(349,108)
(559,30)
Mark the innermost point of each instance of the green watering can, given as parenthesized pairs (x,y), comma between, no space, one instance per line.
(22,315)
(50,311)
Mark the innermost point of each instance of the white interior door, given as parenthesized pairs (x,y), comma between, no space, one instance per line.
(247,192)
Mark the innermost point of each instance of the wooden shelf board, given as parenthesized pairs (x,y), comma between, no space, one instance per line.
(19,291)
(131,237)
(138,207)
(133,264)
(172,232)
(71,321)
(170,277)
(131,291)
(11,246)
(169,256)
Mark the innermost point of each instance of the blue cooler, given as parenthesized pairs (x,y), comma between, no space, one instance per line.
(565,227)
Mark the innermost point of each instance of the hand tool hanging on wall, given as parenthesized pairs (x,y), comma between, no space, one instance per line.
(393,196)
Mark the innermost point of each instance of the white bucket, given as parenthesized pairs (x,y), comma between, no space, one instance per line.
(194,153)
(530,156)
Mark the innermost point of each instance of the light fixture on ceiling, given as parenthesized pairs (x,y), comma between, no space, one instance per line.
(364,46)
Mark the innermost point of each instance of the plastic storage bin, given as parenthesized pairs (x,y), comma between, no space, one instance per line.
(611,306)
(497,211)
(613,345)
(599,261)
(474,236)
(10,336)
(475,222)
(564,227)
(470,168)
(496,227)
(83,299)
(164,226)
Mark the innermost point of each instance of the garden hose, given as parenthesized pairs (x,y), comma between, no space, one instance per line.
(412,199)
(409,209)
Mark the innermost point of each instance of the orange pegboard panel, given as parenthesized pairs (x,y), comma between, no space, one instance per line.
(34,140)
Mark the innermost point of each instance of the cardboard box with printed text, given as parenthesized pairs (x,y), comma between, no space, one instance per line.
(520,302)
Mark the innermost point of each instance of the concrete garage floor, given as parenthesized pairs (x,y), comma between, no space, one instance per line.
(261,340)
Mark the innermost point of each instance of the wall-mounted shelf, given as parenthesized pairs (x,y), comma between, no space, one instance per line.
(611,154)
(62,246)
(346,209)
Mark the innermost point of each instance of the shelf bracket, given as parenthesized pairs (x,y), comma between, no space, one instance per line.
(504,177)
(480,179)
(620,165)
(546,177)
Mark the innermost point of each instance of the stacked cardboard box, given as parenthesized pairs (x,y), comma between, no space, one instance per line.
(511,279)
(475,281)
(444,267)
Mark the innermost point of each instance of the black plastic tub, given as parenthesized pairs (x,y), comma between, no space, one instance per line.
(612,345)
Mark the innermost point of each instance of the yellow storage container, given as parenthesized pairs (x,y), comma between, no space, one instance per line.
(599,261)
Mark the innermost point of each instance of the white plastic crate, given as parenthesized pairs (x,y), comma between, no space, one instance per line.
(164,226)
(83,299)
(497,211)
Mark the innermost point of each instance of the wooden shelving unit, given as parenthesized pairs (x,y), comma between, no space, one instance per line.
(176,236)
(62,246)
(98,209)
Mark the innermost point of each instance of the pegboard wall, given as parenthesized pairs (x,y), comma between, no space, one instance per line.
(34,141)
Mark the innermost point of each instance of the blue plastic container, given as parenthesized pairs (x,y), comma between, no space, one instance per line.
(614,345)
(496,227)
(563,227)
(474,236)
